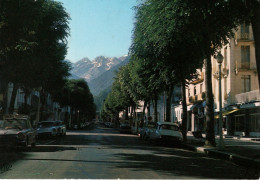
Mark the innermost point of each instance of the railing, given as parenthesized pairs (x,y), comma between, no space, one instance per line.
(244,36)
(245,65)
(248,96)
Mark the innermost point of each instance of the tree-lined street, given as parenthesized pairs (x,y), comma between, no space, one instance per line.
(105,153)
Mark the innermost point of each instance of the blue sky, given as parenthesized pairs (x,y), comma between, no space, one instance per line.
(99,27)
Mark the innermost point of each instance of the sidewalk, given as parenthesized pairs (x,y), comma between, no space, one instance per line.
(242,151)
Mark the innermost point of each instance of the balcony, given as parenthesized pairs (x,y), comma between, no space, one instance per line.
(244,66)
(199,79)
(248,97)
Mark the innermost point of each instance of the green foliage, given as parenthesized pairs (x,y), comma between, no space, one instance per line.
(76,94)
(33,44)
(99,100)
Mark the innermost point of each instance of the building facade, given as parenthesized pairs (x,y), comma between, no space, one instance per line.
(240,89)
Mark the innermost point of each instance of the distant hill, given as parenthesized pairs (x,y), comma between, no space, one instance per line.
(106,79)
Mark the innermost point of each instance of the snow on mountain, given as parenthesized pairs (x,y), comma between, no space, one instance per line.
(92,69)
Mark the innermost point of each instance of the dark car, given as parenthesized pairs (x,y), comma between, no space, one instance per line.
(125,128)
(17,131)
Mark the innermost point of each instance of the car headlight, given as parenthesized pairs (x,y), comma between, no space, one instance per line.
(20,135)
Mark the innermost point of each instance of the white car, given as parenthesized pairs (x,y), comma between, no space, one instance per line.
(47,128)
(166,131)
(147,130)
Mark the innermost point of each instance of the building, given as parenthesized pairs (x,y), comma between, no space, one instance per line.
(240,89)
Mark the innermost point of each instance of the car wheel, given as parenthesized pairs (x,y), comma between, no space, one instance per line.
(54,133)
(145,137)
(33,144)
(26,143)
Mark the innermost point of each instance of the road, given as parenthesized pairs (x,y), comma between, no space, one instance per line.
(105,153)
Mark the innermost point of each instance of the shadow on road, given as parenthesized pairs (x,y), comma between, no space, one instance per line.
(181,164)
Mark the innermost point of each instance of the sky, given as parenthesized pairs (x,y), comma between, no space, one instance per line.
(99,28)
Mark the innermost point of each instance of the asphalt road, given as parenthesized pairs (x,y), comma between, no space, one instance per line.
(105,153)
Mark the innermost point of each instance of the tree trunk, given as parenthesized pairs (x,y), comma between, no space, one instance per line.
(42,105)
(210,136)
(5,93)
(256,31)
(143,115)
(168,104)
(184,107)
(148,109)
(126,114)
(155,111)
(13,97)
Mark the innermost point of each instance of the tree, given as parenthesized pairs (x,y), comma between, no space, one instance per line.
(34,45)
(161,39)
(77,95)
(18,25)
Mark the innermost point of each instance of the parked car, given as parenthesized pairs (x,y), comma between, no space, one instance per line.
(16,130)
(166,132)
(47,129)
(125,128)
(61,128)
(109,124)
(147,129)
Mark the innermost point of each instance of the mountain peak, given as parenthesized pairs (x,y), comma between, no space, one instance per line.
(92,69)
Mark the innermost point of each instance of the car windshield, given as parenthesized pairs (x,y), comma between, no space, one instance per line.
(169,127)
(14,124)
(58,123)
(46,124)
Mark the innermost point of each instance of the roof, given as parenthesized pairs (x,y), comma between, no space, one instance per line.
(15,116)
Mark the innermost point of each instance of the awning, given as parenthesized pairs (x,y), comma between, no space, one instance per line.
(225,113)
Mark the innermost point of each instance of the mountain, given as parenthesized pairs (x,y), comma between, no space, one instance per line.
(90,70)
(73,76)
(106,79)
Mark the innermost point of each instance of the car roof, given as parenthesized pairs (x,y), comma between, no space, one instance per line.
(168,123)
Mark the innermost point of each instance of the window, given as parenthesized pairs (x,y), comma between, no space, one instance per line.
(188,92)
(200,88)
(240,123)
(245,57)
(244,31)
(246,83)
(255,122)
(195,90)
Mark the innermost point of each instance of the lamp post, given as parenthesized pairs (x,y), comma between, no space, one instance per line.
(221,144)
(78,117)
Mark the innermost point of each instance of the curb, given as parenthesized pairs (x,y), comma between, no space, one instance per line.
(237,159)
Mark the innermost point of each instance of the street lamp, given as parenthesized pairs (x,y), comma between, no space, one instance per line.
(221,143)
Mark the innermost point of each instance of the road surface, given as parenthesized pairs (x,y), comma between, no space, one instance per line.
(105,153)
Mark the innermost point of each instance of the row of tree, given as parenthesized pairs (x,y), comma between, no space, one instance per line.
(33,46)
(172,39)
